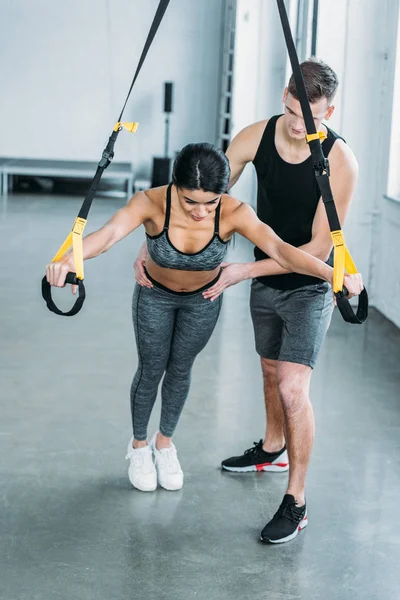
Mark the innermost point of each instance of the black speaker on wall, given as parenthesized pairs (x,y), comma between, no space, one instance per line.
(161,171)
(168,89)
(162,165)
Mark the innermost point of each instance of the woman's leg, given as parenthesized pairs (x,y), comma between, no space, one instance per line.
(194,324)
(154,314)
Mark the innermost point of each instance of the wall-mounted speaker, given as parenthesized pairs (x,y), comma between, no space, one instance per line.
(168,90)
(162,165)
(161,171)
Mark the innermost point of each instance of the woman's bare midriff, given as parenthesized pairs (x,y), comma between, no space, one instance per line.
(180,281)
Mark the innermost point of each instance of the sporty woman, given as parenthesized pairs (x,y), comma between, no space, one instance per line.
(188,226)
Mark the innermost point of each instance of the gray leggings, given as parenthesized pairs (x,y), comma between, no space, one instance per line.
(171,329)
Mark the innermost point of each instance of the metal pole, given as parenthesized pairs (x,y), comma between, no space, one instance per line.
(302,29)
(314,29)
(166,149)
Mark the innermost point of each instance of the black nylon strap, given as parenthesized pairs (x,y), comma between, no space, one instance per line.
(301,89)
(162,7)
(108,152)
(87,203)
(329,202)
(107,156)
(321,167)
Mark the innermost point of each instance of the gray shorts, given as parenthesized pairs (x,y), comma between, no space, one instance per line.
(290,325)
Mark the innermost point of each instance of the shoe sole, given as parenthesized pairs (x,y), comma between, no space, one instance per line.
(142,489)
(290,537)
(169,488)
(266,467)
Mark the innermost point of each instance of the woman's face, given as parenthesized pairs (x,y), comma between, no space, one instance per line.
(198,204)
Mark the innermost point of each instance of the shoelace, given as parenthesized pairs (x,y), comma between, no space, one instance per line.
(143,460)
(169,460)
(291,512)
(255,449)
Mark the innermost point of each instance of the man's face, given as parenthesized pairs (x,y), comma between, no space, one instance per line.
(294,121)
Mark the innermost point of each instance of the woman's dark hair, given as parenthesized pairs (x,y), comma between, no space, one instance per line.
(201,167)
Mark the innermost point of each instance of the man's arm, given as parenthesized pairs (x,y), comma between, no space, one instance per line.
(246,223)
(243,149)
(344,173)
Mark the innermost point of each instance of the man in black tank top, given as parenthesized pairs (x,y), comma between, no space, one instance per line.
(291,313)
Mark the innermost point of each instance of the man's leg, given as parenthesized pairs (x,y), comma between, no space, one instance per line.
(306,313)
(270,455)
(294,387)
(268,334)
(290,417)
(274,437)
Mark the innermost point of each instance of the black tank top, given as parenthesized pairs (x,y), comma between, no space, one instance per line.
(287,199)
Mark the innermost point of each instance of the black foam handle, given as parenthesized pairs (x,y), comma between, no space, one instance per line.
(346,310)
(73,280)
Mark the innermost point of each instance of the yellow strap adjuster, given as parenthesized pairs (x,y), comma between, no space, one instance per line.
(342,260)
(315,136)
(131,127)
(74,239)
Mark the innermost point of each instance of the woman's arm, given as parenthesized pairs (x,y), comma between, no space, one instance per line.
(123,222)
(249,225)
(284,257)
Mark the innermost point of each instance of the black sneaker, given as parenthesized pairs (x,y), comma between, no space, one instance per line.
(256,459)
(287,522)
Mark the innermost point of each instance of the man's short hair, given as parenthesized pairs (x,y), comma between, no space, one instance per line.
(320,80)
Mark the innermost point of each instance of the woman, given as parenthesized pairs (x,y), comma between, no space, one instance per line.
(188,226)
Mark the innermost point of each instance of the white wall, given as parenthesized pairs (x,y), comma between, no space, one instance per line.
(260,65)
(358,39)
(67,66)
(386,249)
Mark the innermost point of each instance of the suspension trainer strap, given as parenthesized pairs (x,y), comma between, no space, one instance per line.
(342,258)
(74,238)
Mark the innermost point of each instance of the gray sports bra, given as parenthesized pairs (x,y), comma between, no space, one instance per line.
(165,255)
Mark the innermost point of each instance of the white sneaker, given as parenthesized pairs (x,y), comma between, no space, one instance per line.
(142,472)
(170,475)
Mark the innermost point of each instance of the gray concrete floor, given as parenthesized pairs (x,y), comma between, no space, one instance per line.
(71,527)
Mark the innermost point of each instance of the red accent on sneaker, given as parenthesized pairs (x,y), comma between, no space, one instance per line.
(303,521)
(269,464)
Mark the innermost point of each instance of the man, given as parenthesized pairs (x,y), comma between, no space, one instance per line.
(291,313)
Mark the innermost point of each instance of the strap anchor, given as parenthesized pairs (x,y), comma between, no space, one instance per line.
(106,158)
(322,168)
(320,136)
(337,238)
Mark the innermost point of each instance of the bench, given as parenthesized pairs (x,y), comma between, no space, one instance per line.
(62,168)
